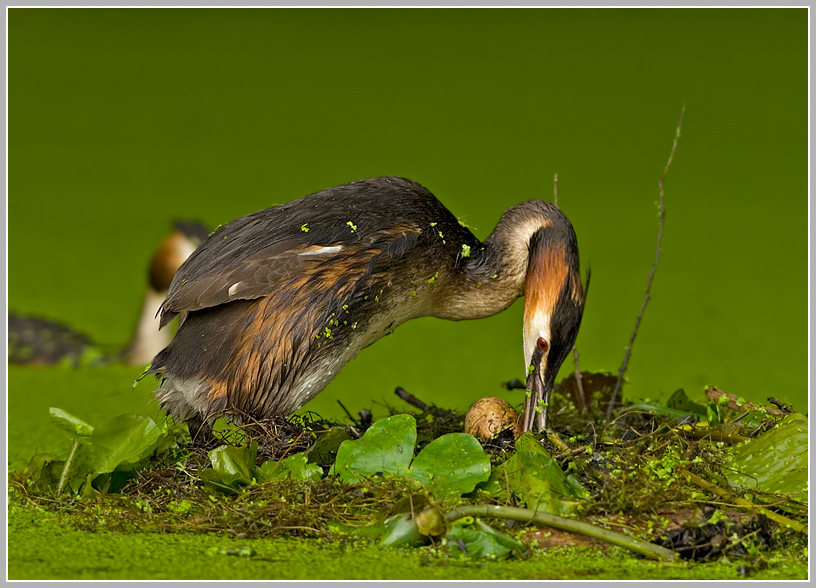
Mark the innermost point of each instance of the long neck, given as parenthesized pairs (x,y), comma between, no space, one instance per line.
(494,276)
(147,339)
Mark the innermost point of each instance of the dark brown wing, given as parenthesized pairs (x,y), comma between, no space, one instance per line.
(249,257)
(246,279)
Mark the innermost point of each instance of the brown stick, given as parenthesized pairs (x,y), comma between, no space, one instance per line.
(555,189)
(784,409)
(648,294)
(410,398)
(716,435)
(733,402)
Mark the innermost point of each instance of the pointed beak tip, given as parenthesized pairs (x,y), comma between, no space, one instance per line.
(536,392)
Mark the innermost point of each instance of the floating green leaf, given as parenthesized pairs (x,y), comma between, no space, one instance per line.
(72,425)
(123,443)
(535,476)
(232,467)
(680,401)
(451,464)
(324,450)
(775,462)
(101,458)
(294,467)
(479,540)
(402,531)
(387,447)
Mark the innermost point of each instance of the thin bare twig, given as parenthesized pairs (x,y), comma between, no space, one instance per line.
(555,189)
(579,380)
(648,294)
(410,398)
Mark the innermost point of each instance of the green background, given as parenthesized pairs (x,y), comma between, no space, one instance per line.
(120,120)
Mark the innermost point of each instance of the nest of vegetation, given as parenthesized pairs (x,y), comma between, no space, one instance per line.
(629,466)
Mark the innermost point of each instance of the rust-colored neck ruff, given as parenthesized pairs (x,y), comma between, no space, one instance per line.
(545,279)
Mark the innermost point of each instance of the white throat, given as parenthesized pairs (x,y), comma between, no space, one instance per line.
(539,326)
(148,340)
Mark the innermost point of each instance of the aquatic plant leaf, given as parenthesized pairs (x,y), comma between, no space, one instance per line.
(402,531)
(661,410)
(680,401)
(43,472)
(535,476)
(451,464)
(294,467)
(100,458)
(232,467)
(775,462)
(324,450)
(387,448)
(172,435)
(122,443)
(480,540)
(72,425)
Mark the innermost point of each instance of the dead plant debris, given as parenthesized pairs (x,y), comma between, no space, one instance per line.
(631,470)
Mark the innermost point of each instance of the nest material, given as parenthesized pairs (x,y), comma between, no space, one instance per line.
(632,481)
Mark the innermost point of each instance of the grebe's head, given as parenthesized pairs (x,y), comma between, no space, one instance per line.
(173,251)
(553,306)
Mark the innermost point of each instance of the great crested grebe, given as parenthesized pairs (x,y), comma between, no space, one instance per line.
(272,305)
(39,341)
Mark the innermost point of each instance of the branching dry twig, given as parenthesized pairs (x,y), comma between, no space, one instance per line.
(646,297)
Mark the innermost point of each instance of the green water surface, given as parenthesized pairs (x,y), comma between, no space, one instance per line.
(122,119)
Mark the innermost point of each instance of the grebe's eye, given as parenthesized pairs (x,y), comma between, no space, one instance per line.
(542,344)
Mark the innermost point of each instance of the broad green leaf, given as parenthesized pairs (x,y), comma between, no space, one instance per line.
(294,467)
(387,447)
(122,443)
(775,462)
(171,435)
(232,467)
(324,450)
(450,465)
(481,540)
(535,476)
(661,410)
(44,470)
(680,401)
(104,456)
(402,531)
(72,425)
